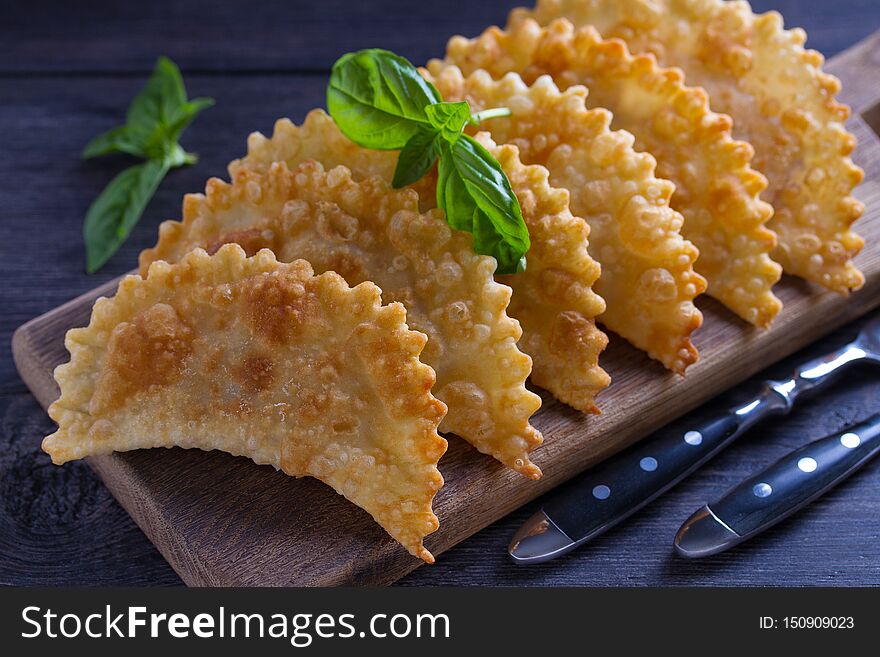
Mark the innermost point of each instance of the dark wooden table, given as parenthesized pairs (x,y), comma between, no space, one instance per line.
(67,71)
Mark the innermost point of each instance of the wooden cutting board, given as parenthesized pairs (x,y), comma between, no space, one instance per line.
(221,520)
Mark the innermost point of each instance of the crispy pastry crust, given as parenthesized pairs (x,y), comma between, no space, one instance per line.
(318,139)
(716,191)
(647,280)
(368,231)
(553,299)
(264,360)
(781,102)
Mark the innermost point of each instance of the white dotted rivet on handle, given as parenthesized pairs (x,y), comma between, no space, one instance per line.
(762,490)
(693,438)
(601,492)
(648,464)
(850,440)
(807,464)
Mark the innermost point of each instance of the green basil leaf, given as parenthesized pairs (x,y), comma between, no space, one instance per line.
(449,118)
(477,197)
(117,140)
(185,115)
(159,100)
(416,158)
(160,112)
(155,119)
(115,212)
(378,99)
(154,122)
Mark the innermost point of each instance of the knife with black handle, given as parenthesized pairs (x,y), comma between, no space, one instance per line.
(620,486)
(779,491)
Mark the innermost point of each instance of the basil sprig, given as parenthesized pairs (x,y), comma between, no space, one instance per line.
(156,118)
(380,101)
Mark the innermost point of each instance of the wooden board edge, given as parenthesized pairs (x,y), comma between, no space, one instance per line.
(151,521)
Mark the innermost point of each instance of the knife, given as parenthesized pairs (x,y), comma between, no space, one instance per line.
(623,484)
(779,491)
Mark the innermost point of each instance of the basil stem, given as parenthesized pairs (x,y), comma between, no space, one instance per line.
(495,113)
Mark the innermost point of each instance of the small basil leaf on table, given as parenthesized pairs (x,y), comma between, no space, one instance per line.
(160,112)
(416,158)
(184,115)
(378,99)
(449,118)
(116,211)
(155,119)
(117,140)
(158,101)
(154,122)
(477,197)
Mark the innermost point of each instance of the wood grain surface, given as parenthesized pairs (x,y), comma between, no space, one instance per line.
(111,37)
(62,527)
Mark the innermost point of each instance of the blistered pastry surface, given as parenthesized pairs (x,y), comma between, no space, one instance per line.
(564,349)
(263,360)
(716,190)
(781,101)
(554,298)
(366,231)
(648,280)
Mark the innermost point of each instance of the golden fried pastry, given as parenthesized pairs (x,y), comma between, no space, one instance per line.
(715,189)
(318,139)
(648,281)
(264,360)
(781,103)
(366,231)
(552,299)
